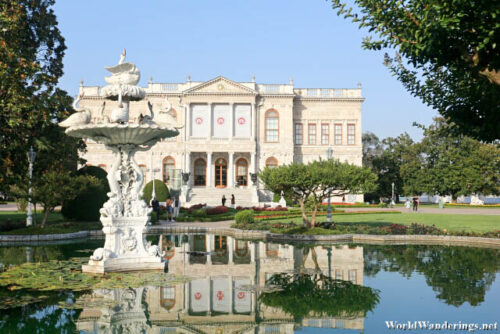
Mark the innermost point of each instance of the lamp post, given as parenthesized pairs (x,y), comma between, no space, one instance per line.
(392,197)
(31,159)
(329,155)
(153,170)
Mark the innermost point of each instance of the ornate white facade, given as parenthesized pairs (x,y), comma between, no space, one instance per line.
(230,130)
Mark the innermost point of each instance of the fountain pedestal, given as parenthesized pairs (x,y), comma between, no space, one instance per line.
(125,216)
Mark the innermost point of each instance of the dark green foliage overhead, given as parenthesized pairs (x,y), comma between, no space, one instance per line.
(86,206)
(161,191)
(31,62)
(305,295)
(446,53)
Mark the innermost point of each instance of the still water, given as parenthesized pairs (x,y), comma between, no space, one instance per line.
(238,286)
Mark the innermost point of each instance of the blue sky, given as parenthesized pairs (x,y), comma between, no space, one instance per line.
(271,39)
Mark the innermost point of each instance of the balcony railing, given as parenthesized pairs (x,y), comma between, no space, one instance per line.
(328,93)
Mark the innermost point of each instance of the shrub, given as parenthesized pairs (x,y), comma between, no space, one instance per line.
(161,191)
(86,206)
(244,217)
(199,213)
(22,204)
(217,210)
(382,205)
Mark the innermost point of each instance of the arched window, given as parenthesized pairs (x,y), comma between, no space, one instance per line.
(272,162)
(102,166)
(220,173)
(167,297)
(200,172)
(144,170)
(168,167)
(272,126)
(242,172)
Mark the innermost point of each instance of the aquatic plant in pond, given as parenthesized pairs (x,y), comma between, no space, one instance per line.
(67,275)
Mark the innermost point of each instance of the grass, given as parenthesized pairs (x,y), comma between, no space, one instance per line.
(450,222)
(55,224)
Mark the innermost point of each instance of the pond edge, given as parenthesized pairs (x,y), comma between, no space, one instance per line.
(268,236)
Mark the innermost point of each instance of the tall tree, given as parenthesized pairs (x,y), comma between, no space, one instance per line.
(31,53)
(446,54)
(396,152)
(372,148)
(452,165)
(317,181)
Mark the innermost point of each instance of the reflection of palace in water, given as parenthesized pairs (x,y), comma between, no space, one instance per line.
(219,298)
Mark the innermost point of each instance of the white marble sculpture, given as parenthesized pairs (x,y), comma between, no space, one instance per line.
(165,115)
(125,216)
(82,115)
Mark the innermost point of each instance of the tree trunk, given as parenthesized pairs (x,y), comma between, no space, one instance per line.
(313,218)
(305,221)
(45,217)
(453,198)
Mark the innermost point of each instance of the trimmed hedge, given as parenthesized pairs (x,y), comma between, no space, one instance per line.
(244,217)
(86,206)
(161,191)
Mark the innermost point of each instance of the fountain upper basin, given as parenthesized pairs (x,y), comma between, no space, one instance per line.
(122,134)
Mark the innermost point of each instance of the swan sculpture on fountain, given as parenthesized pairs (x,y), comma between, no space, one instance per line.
(80,117)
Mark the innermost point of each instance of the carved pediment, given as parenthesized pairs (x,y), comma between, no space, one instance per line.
(221,85)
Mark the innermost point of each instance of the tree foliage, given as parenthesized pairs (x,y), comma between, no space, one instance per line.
(446,54)
(86,205)
(447,164)
(317,181)
(161,191)
(31,53)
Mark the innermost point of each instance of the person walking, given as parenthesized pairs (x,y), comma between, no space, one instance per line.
(415,203)
(169,209)
(408,204)
(156,208)
(233,201)
(177,207)
(223,200)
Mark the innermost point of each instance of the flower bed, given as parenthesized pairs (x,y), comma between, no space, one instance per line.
(464,205)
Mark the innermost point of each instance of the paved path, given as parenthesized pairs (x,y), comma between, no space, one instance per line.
(423,209)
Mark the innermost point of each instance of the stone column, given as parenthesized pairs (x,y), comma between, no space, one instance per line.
(210,116)
(210,243)
(231,293)
(253,114)
(231,121)
(209,170)
(209,299)
(230,170)
(187,110)
(230,248)
(188,169)
(252,251)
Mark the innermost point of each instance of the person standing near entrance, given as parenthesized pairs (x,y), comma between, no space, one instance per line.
(177,206)
(156,208)
(223,200)
(233,201)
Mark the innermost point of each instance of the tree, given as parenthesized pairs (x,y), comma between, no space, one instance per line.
(387,165)
(161,191)
(31,53)
(452,165)
(446,54)
(53,187)
(372,148)
(317,181)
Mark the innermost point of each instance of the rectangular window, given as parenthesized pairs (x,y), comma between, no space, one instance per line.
(312,134)
(351,130)
(272,129)
(338,134)
(299,134)
(338,274)
(352,276)
(325,134)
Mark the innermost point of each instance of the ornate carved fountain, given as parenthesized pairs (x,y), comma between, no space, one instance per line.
(125,216)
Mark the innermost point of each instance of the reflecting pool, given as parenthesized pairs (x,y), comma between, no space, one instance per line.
(241,286)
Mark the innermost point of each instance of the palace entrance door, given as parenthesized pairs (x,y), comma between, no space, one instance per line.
(220,173)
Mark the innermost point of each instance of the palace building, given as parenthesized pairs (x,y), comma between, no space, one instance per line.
(231,130)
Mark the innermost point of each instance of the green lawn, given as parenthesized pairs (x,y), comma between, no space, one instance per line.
(55,224)
(450,222)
